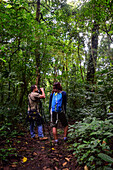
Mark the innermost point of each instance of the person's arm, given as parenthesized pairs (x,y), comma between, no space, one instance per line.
(42,96)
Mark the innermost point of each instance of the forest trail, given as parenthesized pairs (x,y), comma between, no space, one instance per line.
(41,155)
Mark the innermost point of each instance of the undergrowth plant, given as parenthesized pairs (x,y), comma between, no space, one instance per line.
(11,119)
(89,138)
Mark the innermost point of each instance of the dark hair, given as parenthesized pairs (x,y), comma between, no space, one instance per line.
(57,87)
(33,87)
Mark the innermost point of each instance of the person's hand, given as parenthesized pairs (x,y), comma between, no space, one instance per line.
(42,96)
(42,89)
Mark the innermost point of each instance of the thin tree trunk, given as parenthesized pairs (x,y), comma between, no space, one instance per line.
(111,60)
(67,73)
(9,82)
(80,62)
(23,86)
(37,53)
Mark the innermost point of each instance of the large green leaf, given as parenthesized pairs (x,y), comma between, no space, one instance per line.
(105,157)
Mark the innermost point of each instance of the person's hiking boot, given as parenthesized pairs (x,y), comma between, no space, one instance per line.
(56,142)
(43,138)
(35,137)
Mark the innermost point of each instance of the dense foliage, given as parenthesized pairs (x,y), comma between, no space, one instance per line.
(46,41)
(92,143)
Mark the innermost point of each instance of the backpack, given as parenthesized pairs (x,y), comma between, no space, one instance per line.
(57,102)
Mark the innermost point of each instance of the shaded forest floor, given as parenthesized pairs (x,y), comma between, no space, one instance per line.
(42,155)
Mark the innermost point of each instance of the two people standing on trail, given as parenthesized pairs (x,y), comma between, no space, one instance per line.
(57,108)
(60,112)
(34,115)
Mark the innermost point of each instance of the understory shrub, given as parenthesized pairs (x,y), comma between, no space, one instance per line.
(89,138)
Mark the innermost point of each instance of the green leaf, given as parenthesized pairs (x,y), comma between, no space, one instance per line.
(107,168)
(3,60)
(8,6)
(105,157)
(75,144)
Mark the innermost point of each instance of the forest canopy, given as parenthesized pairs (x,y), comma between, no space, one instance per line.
(46,41)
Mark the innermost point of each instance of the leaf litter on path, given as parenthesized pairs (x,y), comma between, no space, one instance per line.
(34,154)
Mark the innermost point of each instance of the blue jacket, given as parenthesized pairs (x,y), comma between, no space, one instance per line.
(64,100)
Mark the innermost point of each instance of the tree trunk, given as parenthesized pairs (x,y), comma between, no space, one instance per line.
(37,53)
(111,105)
(93,56)
(80,61)
(9,82)
(23,90)
(55,73)
(37,56)
(23,86)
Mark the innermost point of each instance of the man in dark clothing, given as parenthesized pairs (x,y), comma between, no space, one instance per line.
(58,115)
(34,113)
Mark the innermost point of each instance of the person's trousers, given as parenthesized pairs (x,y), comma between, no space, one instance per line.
(40,129)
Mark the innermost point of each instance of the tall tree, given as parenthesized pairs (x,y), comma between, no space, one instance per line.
(91,69)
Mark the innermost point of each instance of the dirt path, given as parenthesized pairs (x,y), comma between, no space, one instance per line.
(42,155)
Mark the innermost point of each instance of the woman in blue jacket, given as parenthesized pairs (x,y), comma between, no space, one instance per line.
(58,114)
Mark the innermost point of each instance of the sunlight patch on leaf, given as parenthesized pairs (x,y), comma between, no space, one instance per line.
(53,149)
(24,159)
(3,60)
(8,6)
